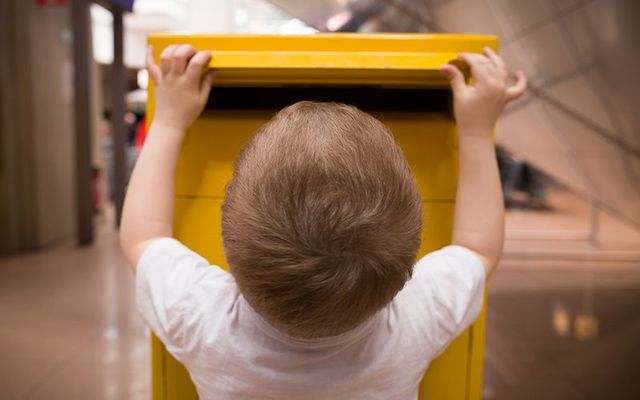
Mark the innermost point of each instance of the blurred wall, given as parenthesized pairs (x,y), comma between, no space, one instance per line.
(212,16)
(579,120)
(36,126)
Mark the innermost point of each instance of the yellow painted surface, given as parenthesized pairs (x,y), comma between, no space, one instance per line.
(476,354)
(398,59)
(206,161)
(427,139)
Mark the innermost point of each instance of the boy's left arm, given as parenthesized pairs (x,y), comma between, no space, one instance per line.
(479,210)
(181,92)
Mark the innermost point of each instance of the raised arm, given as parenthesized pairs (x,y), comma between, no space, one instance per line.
(181,91)
(479,211)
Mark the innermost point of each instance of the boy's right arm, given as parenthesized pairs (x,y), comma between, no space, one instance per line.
(181,92)
(479,210)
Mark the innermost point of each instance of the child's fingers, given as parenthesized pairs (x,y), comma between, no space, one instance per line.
(180,58)
(478,63)
(455,76)
(154,71)
(165,58)
(197,64)
(517,89)
(491,55)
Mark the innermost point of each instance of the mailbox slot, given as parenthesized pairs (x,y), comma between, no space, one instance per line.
(367,98)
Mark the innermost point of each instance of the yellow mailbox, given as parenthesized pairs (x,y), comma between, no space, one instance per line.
(395,77)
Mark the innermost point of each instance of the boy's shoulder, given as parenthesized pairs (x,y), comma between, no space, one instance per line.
(171,275)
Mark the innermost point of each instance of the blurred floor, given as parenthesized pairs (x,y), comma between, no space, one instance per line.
(563,320)
(69,326)
(563,330)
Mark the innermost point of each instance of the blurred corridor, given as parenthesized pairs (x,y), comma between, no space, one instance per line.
(562,317)
(70,328)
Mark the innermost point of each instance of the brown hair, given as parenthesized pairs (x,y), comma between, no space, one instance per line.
(322,219)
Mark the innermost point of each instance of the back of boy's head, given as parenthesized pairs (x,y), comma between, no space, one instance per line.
(322,219)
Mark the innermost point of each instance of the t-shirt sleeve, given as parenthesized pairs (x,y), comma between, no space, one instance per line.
(168,277)
(446,294)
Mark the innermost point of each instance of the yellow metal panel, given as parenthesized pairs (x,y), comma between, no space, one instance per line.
(446,377)
(158,355)
(206,160)
(390,59)
(170,378)
(211,145)
(198,224)
(348,43)
(427,140)
(476,354)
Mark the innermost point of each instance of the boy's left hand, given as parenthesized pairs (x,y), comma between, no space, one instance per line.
(181,89)
(478,105)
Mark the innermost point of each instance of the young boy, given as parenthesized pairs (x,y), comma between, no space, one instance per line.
(321,225)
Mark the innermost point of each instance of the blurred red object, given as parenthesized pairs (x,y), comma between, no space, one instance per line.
(141,133)
(50,2)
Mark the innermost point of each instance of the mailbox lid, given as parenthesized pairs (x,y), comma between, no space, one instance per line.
(395,59)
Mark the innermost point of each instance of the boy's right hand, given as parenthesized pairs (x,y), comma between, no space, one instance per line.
(477,106)
(182,84)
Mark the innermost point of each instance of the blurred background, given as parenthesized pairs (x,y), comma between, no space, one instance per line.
(563,317)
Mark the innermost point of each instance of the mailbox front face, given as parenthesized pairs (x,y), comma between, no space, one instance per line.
(426,133)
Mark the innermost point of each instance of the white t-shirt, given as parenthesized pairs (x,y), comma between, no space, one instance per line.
(232,353)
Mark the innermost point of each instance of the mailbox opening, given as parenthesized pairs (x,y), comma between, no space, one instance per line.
(366,98)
